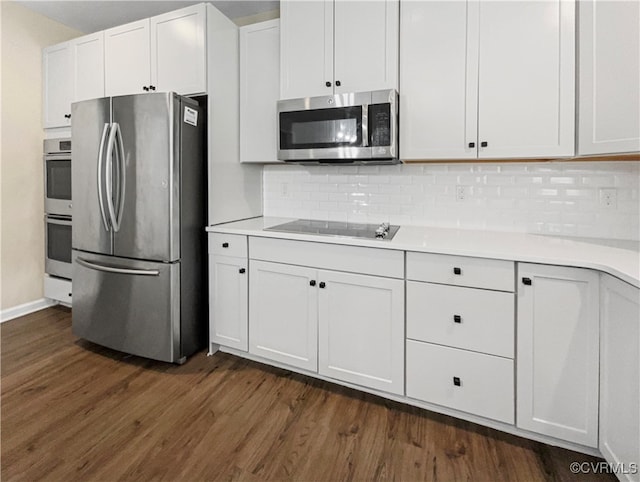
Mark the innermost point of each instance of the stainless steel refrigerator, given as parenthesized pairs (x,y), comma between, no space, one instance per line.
(139,211)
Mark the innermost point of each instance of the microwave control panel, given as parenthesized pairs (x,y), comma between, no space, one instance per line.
(380,124)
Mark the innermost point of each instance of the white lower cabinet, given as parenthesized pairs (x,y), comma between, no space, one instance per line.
(228,292)
(557,352)
(283,313)
(619,380)
(361,330)
(472,382)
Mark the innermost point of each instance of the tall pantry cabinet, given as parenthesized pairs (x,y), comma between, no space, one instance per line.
(487,79)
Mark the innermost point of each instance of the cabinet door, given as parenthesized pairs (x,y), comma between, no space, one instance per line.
(178,51)
(88,67)
(619,381)
(609,76)
(127,58)
(526,79)
(366,36)
(56,67)
(557,352)
(439,80)
(361,330)
(283,314)
(228,301)
(306,42)
(259,91)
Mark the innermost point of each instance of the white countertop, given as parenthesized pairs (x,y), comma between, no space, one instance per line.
(618,258)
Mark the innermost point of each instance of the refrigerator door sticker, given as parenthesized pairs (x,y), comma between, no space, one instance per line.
(190,116)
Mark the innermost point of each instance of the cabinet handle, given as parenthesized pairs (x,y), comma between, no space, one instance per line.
(312,282)
(338,83)
(472,144)
(145,88)
(322,285)
(457,271)
(457,319)
(67,116)
(484,144)
(69,295)
(327,83)
(152,87)
(457,382)
(526,281)
(225,245)
(242,271)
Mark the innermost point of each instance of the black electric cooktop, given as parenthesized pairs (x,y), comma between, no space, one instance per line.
(382,231)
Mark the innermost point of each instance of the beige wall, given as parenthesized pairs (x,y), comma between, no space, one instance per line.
(24,34)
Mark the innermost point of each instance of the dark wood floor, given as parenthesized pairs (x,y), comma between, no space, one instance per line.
(73,411)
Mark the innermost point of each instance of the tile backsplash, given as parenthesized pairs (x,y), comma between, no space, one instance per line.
(563,198)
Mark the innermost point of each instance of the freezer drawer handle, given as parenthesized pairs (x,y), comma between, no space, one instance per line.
(110,269)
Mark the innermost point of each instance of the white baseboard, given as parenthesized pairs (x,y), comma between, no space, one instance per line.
(25,309)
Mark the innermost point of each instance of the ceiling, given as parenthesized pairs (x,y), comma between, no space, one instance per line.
(94,15)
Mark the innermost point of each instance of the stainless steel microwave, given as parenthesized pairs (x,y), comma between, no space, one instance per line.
(358,128)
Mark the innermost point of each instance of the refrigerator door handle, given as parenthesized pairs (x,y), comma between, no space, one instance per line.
(109,176)
(122,175)
(100,185)
(111,269)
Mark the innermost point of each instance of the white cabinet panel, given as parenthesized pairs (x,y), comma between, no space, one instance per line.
(366,45)
(57,85)
(439,80)
(609,76)
(228,244)
(468,318)
(463,380)
(526,79)
(306,41)
(88,67)
(619,379)
(259,91)
(127,58)
(178,51)
(283,314)
(228,301)
(557,348)
(361,330)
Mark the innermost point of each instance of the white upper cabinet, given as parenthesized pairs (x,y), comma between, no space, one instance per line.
(487,79)
(57,85)
(88,67)
(259,91)
(178,53)
(609,77)
(163,53)
(127,58)
(334,46)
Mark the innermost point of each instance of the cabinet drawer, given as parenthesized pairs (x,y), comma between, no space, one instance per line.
(354,259)
(486,386)
(228,245)
(491,274)
(469,318)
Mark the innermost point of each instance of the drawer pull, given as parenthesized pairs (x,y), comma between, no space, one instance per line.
(242,271)
(457,271)
(526,281)
(225,245)
(457,382)
(457,319)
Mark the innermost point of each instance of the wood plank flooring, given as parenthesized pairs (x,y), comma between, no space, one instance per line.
(73,411)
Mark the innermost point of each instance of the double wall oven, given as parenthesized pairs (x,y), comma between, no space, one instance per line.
(57,207)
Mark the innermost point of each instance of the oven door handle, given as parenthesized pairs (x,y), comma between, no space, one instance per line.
(100,184)
(111,269)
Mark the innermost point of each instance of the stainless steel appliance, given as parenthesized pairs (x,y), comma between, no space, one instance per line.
(337,228)
(57,234)
(139,191)
(344,128)
(57,176)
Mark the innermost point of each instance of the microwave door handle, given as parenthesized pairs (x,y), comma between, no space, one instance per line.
(100,185)
(109,177)
(365,125)
(121,176)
